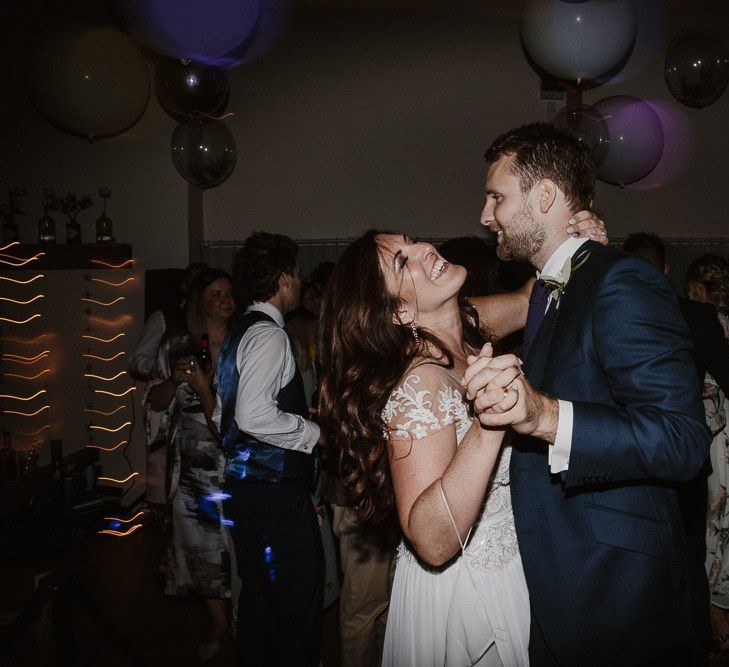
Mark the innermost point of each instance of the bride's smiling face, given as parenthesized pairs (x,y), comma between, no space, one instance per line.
(417,274)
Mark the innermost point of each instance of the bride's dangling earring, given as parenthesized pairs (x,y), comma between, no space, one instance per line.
(414,329)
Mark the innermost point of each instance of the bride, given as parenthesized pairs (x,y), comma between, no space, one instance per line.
(394,342)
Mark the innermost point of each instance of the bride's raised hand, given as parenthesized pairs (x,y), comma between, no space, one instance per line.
(586,224)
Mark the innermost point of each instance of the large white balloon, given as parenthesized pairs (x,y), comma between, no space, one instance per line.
(578,41)
(635,139)
(87,80)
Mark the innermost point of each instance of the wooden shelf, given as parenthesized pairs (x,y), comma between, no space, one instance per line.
(70,256)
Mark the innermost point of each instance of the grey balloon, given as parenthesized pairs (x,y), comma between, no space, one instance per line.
(577,41)
(203,152)
(635,139)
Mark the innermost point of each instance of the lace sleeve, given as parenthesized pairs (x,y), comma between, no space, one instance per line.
(422,405)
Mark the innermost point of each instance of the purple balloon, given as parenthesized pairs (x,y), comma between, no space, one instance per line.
(271,29)
(189,29)
(635,139)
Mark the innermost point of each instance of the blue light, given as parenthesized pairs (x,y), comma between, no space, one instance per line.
(267,555)
(218,496)
(272,575)
(228,523)
(115,525)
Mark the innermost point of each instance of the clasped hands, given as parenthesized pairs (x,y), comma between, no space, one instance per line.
(502,396)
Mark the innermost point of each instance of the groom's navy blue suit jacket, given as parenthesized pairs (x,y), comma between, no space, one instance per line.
(602,543)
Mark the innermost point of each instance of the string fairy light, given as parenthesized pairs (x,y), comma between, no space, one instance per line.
(119,481)
(17,281)
(134,518)
(102,340)
(22,262)
(10,245)
(26,361)
(20,376)
(23,398)
(22,303)
(104,303)
(111,393)
(28,341)
(119,321)
(117,533)
(32,435)
(96,427)
(113,284)
(123,265)
(105,379)
(27,414)
(12,321)
(107,449)
(106,414)
(96,356)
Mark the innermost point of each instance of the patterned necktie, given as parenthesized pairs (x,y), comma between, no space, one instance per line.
(535,315)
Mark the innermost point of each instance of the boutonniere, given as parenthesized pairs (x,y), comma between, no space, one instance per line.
(559,286)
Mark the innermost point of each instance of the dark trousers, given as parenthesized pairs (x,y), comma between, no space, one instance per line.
(281,565)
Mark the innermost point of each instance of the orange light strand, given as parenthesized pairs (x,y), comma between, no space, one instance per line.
(20,376)
(23,282)
(96,356)
(109,449)
(11,321)
(128,262)
(27,414)
(113,284)
(106,414)
(24,398)
(118,481)
(10,245)
(105,379)
(22,303)
(102,340)
(104,303)
(22,262)
(109,430)
(116,518)
(111,393)
(116,533)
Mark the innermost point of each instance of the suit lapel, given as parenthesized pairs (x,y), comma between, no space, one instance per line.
(536,357)
(538,354)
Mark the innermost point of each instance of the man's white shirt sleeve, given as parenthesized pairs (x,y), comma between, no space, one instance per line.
(559,452)
(266,364)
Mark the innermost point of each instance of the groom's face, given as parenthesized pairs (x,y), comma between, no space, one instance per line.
(508,212)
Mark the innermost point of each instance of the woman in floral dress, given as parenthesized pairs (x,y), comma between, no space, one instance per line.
(707,281)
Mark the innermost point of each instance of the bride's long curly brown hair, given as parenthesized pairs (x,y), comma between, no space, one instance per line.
(363,354)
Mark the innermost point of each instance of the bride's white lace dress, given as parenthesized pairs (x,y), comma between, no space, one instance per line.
(475,609)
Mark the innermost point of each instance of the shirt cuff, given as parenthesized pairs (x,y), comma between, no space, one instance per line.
(559,452)
(311,436)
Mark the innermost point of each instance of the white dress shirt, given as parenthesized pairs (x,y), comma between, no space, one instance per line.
(266,364)
(559,452)
(144,356)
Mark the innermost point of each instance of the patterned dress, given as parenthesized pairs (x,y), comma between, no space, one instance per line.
(474,609)
(717,535)
(198,555)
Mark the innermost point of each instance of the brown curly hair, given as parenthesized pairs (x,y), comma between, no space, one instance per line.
(712,272)
(363,354)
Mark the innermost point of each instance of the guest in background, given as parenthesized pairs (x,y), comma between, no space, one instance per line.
(711,352)
(301,329)
(707,281)
(144,355)
(141,364)
(269,475)
(198,555)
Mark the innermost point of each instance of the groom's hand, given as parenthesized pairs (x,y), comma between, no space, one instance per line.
(532,412)
(490,378)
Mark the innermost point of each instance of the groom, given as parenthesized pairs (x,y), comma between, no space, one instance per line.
(606,417)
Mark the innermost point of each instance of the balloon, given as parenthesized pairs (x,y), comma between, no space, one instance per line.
(190,29)
(588,125)
(87,80)
(271,28)
(203,152)
(697,68)
(635,139)
(578,41)
(184,90)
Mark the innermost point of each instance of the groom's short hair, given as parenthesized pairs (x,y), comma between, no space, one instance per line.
(541,151)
